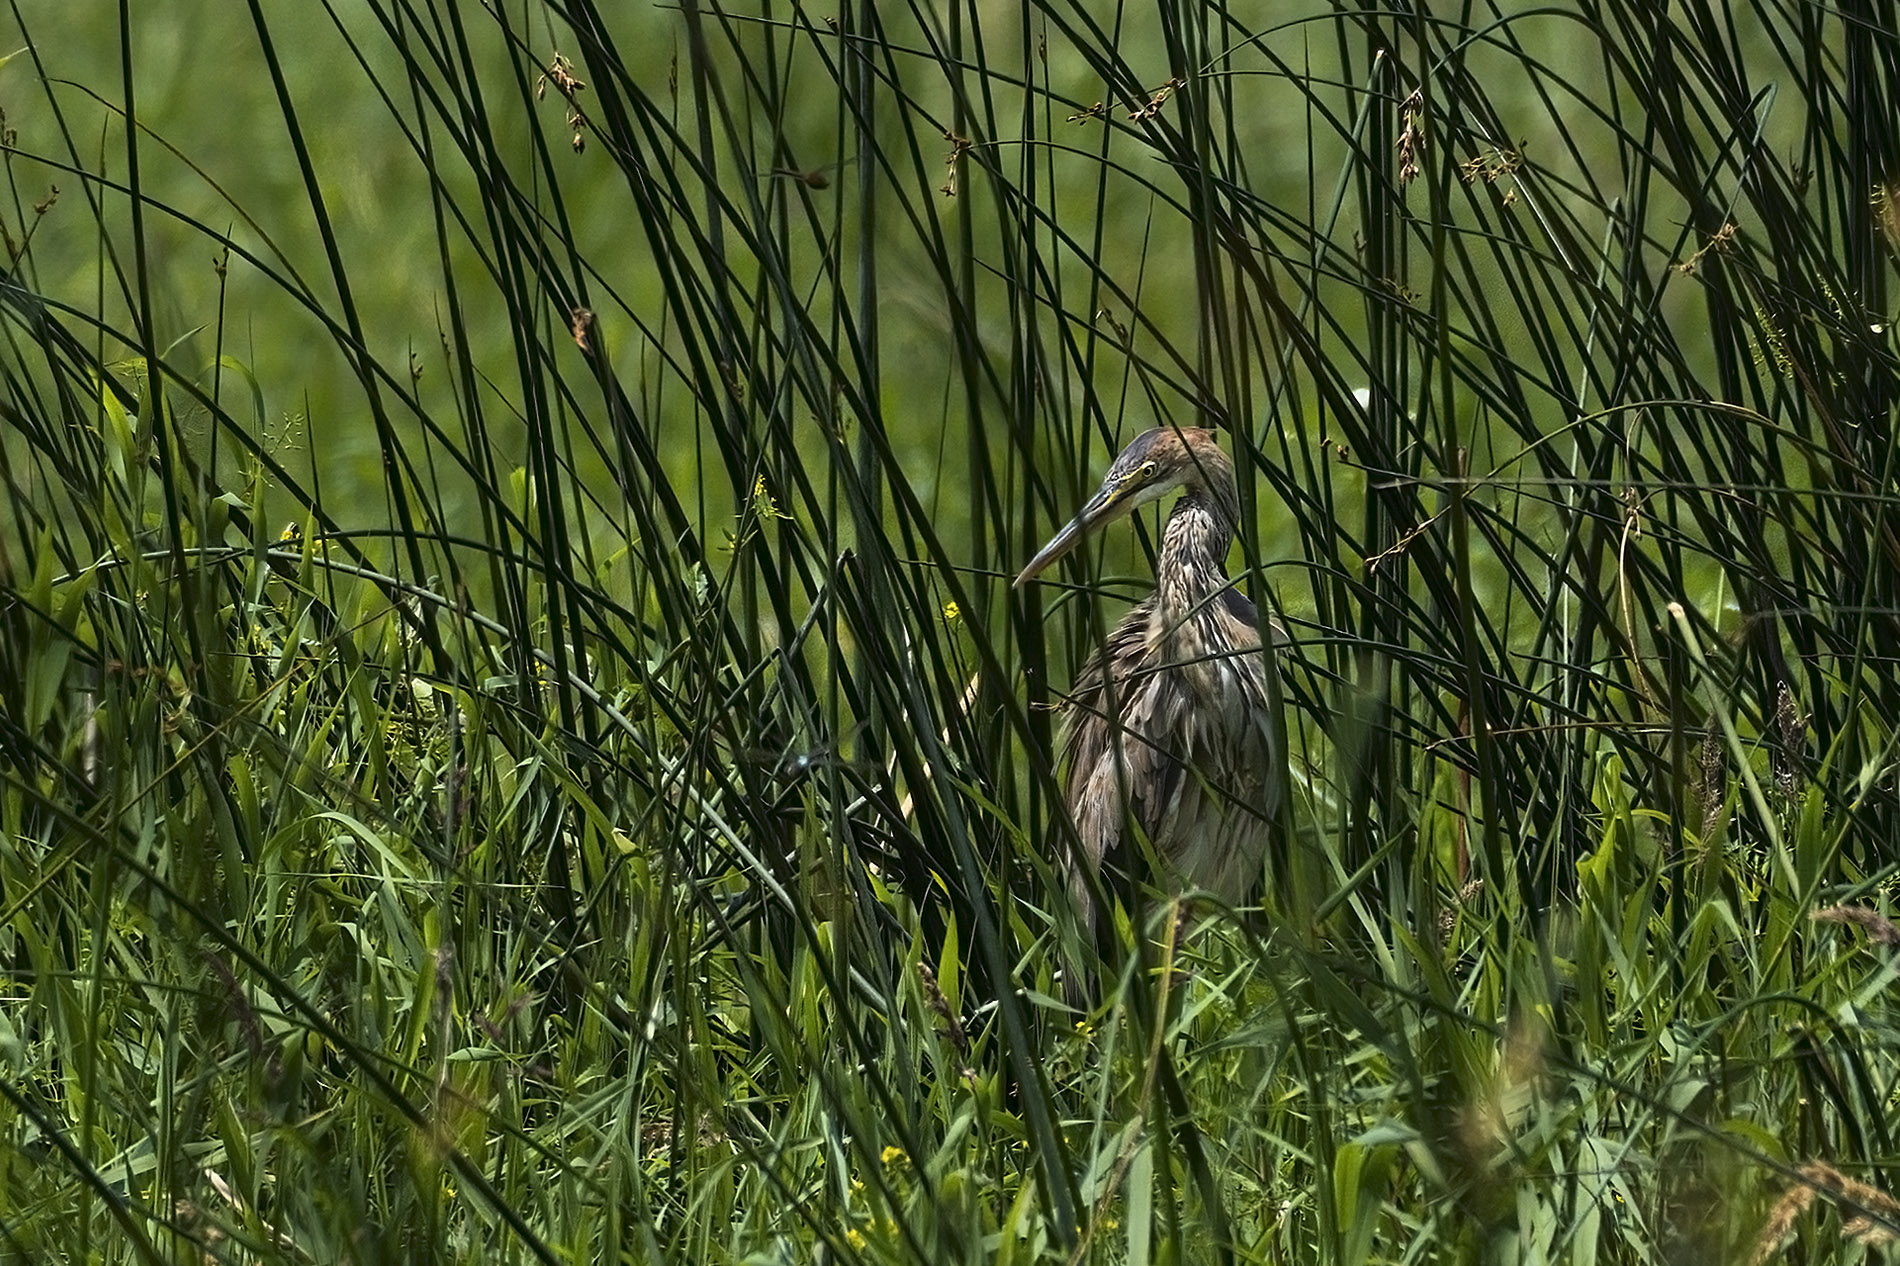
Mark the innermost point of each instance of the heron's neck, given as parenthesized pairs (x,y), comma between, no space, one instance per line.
(1193,562)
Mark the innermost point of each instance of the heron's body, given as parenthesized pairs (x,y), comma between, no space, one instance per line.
(1171,729)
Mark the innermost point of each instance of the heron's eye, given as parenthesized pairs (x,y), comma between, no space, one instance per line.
(1145,472)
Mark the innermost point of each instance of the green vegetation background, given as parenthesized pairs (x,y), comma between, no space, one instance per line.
(614,819)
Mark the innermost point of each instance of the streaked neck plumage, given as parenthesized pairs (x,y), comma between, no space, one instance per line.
(1192,566)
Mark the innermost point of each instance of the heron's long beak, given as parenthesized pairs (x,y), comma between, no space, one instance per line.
(1110,502)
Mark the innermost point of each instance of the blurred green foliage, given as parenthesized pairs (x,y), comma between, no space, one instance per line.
(560,774)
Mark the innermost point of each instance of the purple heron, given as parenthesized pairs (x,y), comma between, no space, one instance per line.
(1173,729)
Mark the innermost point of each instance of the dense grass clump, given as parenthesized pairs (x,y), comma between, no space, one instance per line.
(517,744)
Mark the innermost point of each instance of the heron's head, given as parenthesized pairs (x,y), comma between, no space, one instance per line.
(1154,464)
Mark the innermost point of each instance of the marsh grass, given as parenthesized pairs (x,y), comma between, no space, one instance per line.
(518,744)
